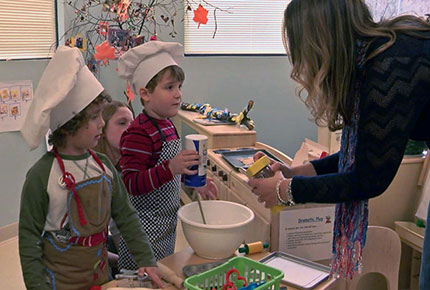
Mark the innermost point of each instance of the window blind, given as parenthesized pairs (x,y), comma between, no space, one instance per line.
(242,27)
(27,29)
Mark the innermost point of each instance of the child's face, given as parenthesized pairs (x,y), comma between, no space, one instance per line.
(117,124)
(164,101)
(88,135)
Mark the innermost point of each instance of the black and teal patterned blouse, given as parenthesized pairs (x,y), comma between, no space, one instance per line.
(394,106)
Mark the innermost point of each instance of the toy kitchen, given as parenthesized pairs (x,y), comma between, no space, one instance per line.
(229,148)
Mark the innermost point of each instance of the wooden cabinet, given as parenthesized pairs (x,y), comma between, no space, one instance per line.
(259,228)
(233,185)
(220,136)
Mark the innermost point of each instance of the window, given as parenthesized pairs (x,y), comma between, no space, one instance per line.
(27,29)
(241,27)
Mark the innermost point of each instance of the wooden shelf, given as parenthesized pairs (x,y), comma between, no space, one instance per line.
(219,136)
(410,234)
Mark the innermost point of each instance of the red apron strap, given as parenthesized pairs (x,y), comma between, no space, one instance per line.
(70,182)
(90,241)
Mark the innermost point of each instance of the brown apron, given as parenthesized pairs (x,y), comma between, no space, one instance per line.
(80,261)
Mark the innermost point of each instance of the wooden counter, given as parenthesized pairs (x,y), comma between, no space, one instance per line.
(187,257)
(219,136)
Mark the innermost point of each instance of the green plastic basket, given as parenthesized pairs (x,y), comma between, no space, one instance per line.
(253,271)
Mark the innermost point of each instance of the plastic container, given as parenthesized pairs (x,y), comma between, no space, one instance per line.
(198,143)
(252,271)
(260,168)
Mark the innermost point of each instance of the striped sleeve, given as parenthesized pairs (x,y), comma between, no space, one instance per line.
(140,150)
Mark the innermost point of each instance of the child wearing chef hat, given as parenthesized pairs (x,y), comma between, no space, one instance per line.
(71,193)
(152,159)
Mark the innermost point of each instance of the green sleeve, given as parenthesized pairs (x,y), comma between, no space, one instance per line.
(32,217)
(127,221)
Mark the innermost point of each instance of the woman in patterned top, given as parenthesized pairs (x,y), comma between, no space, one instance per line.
(370,79)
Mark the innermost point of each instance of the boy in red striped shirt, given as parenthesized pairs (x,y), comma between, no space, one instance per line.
(152,159)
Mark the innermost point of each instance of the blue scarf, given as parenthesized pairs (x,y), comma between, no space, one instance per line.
(350,225)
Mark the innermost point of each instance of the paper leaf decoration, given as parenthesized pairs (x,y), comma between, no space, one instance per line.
(200,15)
(103,28)
(129,93)
(123,10)
(104,52)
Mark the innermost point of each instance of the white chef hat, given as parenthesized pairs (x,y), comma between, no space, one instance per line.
(141,63)
(67,86)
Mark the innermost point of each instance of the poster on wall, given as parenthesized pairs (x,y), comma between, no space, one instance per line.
(307,233)
(15,99)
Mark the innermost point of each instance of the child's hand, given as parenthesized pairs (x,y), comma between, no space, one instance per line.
(209,191)
(181,163)
(153,273)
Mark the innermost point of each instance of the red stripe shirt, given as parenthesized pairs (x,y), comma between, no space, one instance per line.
(140,150)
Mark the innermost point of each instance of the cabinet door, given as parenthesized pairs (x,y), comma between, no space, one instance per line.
(245,193)
(259,228)
(222,188)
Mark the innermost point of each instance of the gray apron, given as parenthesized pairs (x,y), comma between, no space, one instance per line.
(157,210)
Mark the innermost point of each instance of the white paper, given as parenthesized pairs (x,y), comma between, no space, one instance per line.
(15,99)
(309,150)
(307,233)
(425,198)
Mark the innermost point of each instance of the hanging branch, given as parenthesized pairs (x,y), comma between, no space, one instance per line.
(105,29)
(216,23)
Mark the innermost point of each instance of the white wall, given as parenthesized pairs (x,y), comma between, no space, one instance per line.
(281,119)
(15,157)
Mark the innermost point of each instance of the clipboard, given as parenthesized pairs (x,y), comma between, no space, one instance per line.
(298,272)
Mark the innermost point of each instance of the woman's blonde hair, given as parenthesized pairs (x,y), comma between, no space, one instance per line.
(320,40)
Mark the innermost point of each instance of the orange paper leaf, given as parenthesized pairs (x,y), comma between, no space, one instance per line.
(200,15)
(123,10)
(104,52)
(103,28)
(129,93)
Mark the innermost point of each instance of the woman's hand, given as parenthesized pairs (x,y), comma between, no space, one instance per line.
(153,273)
(287,171)
(209,191)
(265,189)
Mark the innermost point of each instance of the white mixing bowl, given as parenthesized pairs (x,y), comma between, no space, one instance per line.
(225,229)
